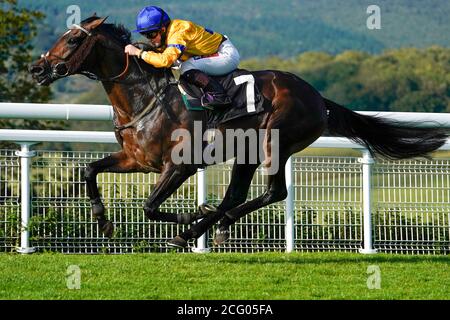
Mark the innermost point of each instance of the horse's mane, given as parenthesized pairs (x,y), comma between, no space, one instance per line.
(122,35)
(118,31)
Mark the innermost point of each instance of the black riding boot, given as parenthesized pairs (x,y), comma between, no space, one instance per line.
(214,95)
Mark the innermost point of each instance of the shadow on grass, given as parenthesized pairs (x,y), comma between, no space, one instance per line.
(310,258)
(321,258)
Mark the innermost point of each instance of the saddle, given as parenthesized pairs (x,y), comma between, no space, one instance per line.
(240,86)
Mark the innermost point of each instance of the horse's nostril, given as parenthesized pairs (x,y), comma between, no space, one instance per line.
(61,69)
(36,70)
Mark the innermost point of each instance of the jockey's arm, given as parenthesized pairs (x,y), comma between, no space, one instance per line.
(177,40)
(164,59)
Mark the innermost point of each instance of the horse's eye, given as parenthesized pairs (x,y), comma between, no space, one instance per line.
(73,41)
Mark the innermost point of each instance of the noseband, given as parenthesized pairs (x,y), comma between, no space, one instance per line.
(60,69)
(57,68)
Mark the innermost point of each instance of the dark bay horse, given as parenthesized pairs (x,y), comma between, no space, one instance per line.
(291,106)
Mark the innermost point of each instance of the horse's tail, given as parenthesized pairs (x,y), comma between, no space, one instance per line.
(388,138)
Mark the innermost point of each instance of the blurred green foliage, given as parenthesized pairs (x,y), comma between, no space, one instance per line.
(302,37)
(402,80)
(408,79)
(277,27)
(18,29)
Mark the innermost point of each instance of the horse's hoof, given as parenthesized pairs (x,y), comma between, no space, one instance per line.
(206,209)
(107,228)
(221,236)
(177,242)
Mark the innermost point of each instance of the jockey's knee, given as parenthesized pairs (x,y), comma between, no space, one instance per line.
(197,77)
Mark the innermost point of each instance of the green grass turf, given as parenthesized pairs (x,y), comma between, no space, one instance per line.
(224,276)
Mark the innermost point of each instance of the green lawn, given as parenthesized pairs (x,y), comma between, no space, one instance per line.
(225,276)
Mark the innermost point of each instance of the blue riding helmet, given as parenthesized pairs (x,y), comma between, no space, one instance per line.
(151,18)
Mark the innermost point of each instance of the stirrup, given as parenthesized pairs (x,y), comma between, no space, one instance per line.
(215,100)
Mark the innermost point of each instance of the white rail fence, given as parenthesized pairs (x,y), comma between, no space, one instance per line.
(333,203)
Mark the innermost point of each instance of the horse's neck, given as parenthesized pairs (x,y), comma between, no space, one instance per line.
(122,106)
(134,92)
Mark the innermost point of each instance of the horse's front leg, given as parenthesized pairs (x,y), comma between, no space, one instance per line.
(117,162)
(171,178)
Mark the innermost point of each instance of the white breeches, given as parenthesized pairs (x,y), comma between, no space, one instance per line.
(224,61)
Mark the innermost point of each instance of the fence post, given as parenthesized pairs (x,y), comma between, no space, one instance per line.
(25,155)
(289,226)
(202,242)
(367,162)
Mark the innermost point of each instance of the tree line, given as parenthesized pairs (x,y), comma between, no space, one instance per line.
(273,27)
(402,80)
(406,79)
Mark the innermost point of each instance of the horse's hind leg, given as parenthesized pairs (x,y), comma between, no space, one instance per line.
(276,191)
(241,178)
(117,162)
(310,130)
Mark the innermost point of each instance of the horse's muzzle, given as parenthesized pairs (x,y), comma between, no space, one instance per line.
(41,74)
(36,70)
(45,74)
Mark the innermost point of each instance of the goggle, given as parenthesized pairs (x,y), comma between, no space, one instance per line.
(150,34)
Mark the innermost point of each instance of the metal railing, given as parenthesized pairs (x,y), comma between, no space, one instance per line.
(334,203)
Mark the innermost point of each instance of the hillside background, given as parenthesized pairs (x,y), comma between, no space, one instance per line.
(405,66)
(279,27)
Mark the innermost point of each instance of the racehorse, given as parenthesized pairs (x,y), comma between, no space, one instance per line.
(148,107)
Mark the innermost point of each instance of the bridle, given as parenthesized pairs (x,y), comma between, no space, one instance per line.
(156,93)
(64,60)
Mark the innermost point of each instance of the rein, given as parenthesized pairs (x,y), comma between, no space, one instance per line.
(151,105)
(66,58)
(92,76)
(156,93)
(156,98)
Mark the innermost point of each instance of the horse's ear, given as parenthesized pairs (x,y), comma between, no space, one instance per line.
(97,23)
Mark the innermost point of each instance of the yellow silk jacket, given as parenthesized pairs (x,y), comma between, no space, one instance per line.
(184,39)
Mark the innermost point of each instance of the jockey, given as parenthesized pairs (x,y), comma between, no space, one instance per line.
(203,52)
